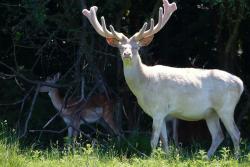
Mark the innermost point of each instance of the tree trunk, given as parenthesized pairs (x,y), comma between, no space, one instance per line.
(228,35)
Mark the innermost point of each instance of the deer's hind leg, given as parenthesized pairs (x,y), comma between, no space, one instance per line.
(228,121)
(73,129)
(164,137)
(226,114)
(108,117)
(213,124)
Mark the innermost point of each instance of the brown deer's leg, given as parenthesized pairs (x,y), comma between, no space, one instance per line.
(109,119)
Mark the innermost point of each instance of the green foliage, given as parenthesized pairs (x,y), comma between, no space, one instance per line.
(37,10)
(213,2)
(18,36)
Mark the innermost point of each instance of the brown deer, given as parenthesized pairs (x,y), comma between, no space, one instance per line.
(75,113)
(185,93)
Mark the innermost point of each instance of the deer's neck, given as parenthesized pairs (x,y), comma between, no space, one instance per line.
(56,99)
(135,74)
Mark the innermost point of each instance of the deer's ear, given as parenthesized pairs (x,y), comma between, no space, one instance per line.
(44,89)
(146,41)
(112,42)
(57,76)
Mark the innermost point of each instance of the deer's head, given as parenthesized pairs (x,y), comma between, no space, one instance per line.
(51,80)
(129,47)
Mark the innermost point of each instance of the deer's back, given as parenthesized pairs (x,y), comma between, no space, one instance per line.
(194,80)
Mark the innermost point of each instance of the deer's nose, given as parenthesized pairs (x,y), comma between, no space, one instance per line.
(127,55)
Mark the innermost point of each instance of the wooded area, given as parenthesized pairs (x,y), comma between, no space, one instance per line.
(41,38)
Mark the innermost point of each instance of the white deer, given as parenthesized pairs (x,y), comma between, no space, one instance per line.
(75,113)
(185,93)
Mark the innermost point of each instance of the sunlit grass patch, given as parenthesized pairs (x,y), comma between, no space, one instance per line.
(113,154)
(11,155)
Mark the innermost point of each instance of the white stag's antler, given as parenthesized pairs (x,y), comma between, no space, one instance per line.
(164,16)
(101,28)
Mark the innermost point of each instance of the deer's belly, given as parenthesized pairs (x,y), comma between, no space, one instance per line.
(192,109)
(182,107)
(67,120)
(193,115)
(92,115)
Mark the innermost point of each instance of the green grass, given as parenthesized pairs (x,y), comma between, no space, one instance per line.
(13,155)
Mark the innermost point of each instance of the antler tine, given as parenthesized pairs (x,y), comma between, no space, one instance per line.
(169,9)
(116,34)
(152,24)
(90,14)
(106,31)
(153,30)
(139,34)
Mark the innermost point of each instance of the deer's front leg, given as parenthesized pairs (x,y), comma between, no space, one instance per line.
(70,132)
(70,129)
(76,126)
(73,130)
(157,125)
